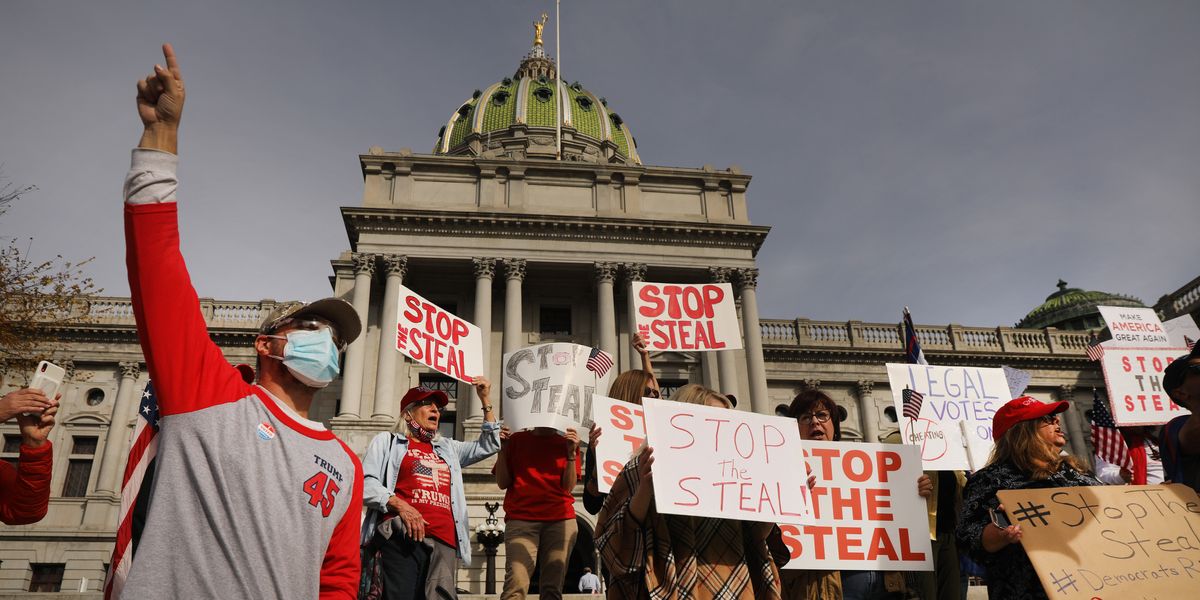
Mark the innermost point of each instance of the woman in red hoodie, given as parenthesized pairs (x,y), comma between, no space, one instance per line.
(25,489)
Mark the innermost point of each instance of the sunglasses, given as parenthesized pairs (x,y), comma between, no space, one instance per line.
(650,392)
(1049,420)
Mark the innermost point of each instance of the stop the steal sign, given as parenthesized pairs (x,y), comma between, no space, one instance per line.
(693,317)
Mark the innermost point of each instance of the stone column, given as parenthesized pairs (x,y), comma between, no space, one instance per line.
(1073,423)
(352,376)
(756,369)
(606,313)
(116,444)
(514,274)
(726,361)
(395,266)
(866,411)
(485,270)
(633,272)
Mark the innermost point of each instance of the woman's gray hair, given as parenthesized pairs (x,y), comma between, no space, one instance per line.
(403,429)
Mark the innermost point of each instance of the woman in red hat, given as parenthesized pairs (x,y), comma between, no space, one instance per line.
(1028,454)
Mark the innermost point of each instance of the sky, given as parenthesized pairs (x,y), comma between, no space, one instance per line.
(955,157)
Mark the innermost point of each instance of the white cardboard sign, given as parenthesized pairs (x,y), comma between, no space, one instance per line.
(1180,330)
(867,514)
(954,428)
(728,464)
(1133,377)
(624,430)
(549,385)
(1134,327)
(691,317)
(437,338)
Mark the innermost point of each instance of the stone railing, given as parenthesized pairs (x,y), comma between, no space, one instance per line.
(1181,301)
(806,333)
(221,314)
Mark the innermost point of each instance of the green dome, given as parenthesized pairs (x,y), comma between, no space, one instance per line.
(1074,309)
(517,116)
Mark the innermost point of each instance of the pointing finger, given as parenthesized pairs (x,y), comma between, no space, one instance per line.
(172,62)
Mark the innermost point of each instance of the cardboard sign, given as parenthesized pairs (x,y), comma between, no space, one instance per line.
(1109,542)
(729,464)
(436,338)
(867,514)
(678,316)
(624,430)
(1134,327)
(1133,377)
(954,427)
(1182,331)
(549,385)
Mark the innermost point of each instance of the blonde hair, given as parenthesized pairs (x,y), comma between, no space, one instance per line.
(1023,446)
(694,393)
(630,385)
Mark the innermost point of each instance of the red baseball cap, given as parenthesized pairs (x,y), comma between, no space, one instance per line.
(1025,408)
(419,394)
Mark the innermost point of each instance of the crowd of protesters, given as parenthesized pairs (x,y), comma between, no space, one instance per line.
(271,510)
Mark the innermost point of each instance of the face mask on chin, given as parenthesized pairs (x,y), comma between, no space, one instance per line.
(310,356)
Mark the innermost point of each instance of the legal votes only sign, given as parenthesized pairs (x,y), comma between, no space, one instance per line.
(437,338)
(954,421)
(677,316)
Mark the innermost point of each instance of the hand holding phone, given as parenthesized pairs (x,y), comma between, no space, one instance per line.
(48,378)
(999,519)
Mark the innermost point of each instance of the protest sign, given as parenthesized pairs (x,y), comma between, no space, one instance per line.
(1123,541)
(678,316)
(624,431)
(729,464)
(1133,377)
(954,422)
(436,338)
(550,385)
(1133,327)
(867,514)
(1182,332)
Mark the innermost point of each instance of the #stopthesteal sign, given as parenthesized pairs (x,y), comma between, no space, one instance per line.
(867,514)
(549,385)
(1126,542)
(437,338)
(728,464)
(953,424)
(677,316)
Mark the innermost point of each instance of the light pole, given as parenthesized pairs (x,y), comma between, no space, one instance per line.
(490,533)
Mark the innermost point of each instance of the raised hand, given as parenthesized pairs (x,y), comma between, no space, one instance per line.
(483,388)
(639,344)
(36,427)
(573,441)
(27,400)
(160,103)
(594,436)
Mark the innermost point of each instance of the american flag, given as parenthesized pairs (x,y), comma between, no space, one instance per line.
(1095,350)
(1189,342)
(599,362)
(912,346)
(141,453)
(1109,443)
(912,399)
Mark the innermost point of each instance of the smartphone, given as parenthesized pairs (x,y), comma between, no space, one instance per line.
(999,519)
(48,377)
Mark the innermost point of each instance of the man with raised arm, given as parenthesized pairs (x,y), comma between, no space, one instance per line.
(251,498)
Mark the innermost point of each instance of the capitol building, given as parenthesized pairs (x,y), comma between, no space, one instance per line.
(534,236)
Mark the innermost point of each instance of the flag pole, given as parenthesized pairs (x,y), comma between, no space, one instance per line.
(559,92)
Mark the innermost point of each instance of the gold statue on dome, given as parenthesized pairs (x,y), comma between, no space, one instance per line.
(537,29)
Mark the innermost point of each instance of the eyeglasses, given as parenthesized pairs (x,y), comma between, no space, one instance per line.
(650,392)
(309,324)
(1048,420)
(820,417)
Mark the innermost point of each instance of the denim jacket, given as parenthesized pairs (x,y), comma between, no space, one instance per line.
(381,467)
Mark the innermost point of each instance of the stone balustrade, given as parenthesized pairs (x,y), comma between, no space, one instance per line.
(807,333)
(220,314)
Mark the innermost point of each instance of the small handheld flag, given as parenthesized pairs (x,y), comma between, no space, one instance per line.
(912,400)
(599,362)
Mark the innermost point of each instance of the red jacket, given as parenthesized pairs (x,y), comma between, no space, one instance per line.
(25,490)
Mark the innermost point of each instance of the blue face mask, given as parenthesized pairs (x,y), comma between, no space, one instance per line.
(311,356)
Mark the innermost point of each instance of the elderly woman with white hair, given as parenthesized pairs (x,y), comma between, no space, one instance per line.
(416,522)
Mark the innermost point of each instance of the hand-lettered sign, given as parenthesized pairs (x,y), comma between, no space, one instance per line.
(1133,327)
(1133,377)
(954,425)
(677,316)
(549,385)
(867,514)
(435,337)
(729,464)
(623,431)
(1116,541)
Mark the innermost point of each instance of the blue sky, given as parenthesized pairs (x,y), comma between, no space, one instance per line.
(955,157)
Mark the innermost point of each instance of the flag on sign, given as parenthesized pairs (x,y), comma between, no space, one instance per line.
(141,453)
(1110,444)
(1189,342)
(599,362)
(912,346)
(912,400)
(1095,350)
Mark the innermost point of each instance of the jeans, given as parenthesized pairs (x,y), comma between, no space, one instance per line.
(864,585)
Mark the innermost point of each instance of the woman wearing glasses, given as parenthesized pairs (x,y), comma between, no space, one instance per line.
(1028,454)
